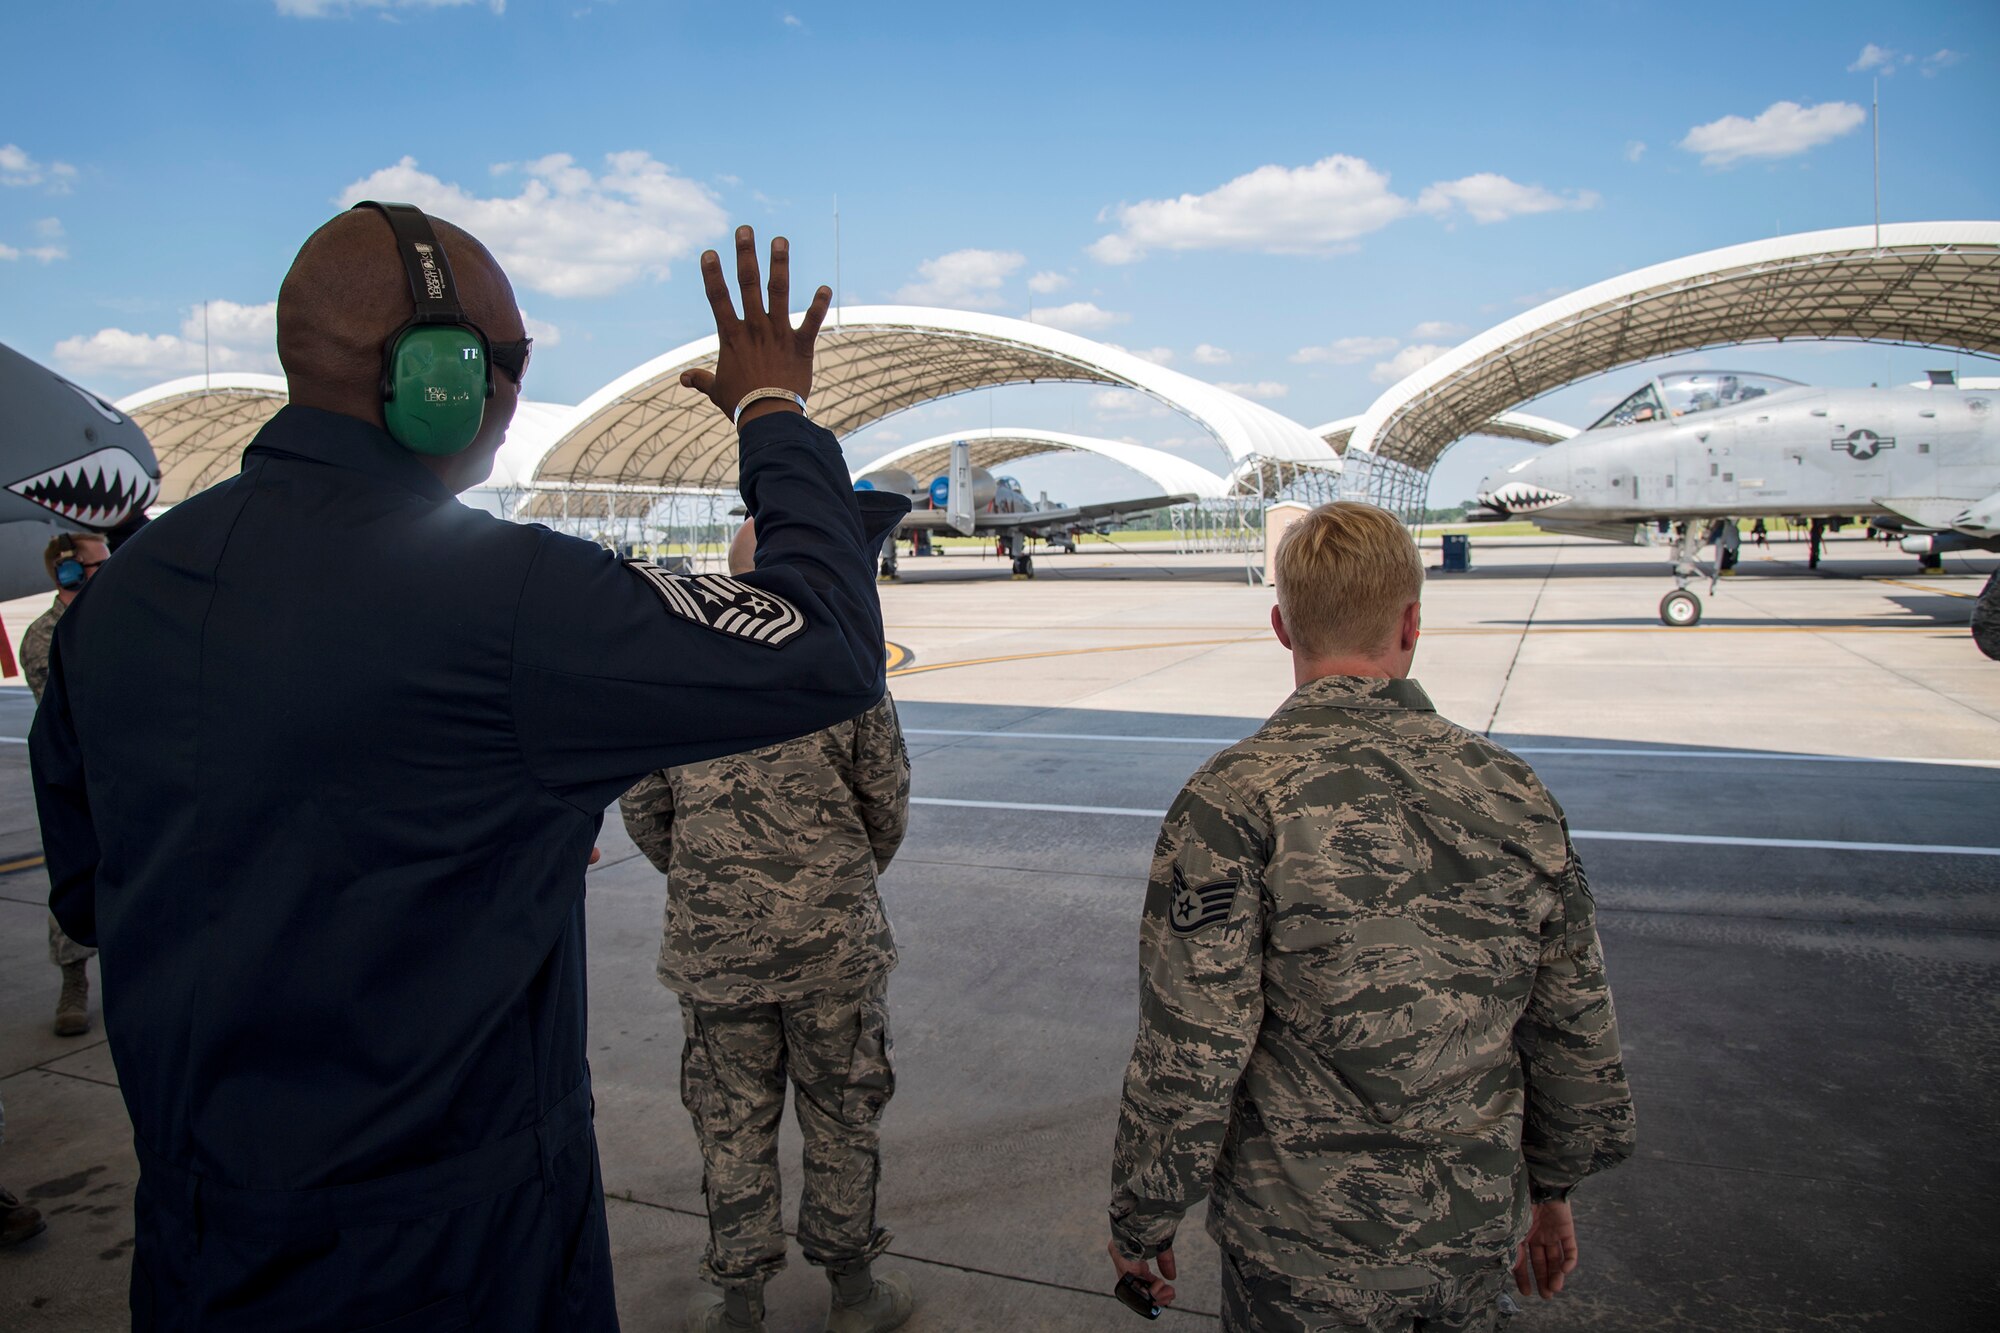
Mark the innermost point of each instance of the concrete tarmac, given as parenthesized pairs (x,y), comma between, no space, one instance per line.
(1788,815)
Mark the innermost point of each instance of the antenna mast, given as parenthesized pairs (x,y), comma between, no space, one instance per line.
(838,300)
(1876,99)
(204,347)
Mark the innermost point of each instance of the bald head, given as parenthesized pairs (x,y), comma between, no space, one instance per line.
(347,293)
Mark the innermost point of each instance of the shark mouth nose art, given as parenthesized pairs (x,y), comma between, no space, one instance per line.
(99,490)
(1520,497)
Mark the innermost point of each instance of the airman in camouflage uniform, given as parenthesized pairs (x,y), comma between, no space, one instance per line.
(73,1003)
(1374,1021)
(777,945)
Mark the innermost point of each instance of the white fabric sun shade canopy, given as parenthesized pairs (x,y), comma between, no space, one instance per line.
(644,429)
(1931,284)
(1169,473)
(200,425)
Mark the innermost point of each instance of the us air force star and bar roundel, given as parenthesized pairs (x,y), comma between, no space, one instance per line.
(723,604)
(1196,907)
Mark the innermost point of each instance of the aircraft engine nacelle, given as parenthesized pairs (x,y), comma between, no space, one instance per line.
(891,480)
(983,490)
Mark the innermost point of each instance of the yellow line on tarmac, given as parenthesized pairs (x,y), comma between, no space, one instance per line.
(1941,592)
(26,863)
(899,656)
(1069,652)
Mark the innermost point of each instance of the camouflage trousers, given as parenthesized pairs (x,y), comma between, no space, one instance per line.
(1257,1301)
(62,949)
(834,1051)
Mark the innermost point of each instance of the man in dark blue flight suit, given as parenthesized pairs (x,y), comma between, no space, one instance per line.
(324,794)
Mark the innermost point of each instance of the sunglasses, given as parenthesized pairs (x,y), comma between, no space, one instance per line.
(511,358)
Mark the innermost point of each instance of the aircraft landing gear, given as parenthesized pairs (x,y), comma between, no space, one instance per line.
(1015,545)
(1024,566)
(1930,563)
(1680,608)
(888,573)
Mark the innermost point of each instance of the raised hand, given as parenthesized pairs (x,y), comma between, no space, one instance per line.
(761,350)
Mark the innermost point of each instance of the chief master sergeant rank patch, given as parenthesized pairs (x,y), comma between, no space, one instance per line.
(723,604)
(1197,907)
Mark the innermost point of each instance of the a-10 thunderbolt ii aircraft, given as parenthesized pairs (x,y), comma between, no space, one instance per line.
(69,462)
(1690,448)
(971,502)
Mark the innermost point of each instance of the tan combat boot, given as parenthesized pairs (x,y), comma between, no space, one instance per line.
(73,1005)
(736,1310)
(864,1303)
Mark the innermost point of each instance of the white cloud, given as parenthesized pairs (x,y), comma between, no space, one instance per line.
(1437,328)
(1121,404)
(964,279)
(51,249)
(1405,361)
(1940,60)
(1258,389)
(545,334)
(1874,57)
(1208,354)
(20,171)
(1343,351)
(794,21)
(1078,317)
(1043,283)
(1635,150)
(1493,198)
(1280,210)
(1318,209)
(320,9)
(1782,130)
(240,338)
(569,233)
(1159,356)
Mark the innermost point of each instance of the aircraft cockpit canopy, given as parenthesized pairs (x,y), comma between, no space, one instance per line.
(1685,392)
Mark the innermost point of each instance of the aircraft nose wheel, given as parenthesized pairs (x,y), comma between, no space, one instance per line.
(1024,567)
(1680,609)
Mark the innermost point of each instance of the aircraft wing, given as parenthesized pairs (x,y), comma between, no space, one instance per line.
(1043,520)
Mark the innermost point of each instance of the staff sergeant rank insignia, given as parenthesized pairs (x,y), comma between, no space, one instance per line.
(724,604)
(1197,907)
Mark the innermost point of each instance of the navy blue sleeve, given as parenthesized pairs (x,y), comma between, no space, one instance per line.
(69,837)
(619,671)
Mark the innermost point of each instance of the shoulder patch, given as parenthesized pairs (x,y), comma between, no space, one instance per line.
(723,604)
(1199,906)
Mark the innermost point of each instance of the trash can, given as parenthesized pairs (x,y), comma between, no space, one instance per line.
(1457,553)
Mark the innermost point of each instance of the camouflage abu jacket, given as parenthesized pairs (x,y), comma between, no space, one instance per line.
(771,858)
(36,642)
(1373,1009)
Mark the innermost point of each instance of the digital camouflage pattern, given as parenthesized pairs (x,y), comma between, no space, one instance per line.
(1397,1023)
(1253,1299)
(35,645)
(1986,617)
(771,858)
(835,1048)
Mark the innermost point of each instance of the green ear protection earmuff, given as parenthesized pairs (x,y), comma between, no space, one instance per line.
(436,372)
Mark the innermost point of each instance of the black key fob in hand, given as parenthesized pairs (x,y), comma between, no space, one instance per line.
(1136,1296)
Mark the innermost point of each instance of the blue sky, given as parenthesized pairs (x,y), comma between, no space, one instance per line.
(1368,182)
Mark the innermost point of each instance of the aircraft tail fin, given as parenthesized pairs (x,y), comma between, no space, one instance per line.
(958,501)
